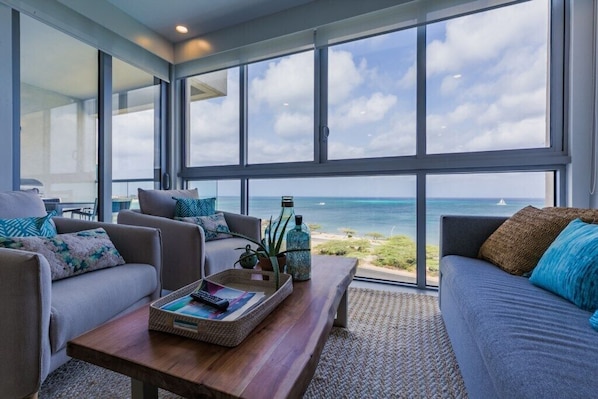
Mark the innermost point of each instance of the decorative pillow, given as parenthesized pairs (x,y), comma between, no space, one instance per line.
(214,226)
(517,245)
(569,267)
(161,202)
(594,321)
(70,254)
(186,207)
(21,204)
(28,227)
(587,215)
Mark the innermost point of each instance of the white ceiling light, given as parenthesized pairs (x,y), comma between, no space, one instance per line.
(181,29)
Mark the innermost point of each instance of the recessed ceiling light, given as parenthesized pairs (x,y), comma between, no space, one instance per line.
(181,29)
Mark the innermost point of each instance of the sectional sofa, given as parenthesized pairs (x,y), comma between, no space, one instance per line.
(512,338)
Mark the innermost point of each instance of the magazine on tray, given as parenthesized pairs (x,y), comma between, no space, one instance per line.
(239,303)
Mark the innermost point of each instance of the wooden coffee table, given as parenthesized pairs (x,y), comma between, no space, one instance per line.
(277,360)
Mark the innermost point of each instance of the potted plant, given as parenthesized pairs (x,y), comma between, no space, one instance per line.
(267,249)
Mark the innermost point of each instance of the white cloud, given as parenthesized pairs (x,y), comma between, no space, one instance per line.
(293,124)
(362,110)
(344,75)
(289,80)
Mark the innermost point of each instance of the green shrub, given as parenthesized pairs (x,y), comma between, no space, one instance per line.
(397,252)
(357,248)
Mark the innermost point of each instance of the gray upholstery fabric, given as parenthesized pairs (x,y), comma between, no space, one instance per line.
(221,254)
(513,339)
(24,342)
(160,202)
(19,204)
(95,298)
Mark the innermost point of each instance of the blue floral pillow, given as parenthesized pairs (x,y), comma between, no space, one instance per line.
(187,207)
(28,227)
(569,267)
(214,226)
(70,254)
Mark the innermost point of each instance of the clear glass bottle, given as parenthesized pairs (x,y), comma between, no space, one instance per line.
(287,212)
(299,262)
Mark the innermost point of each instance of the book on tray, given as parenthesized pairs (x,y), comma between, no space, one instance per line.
(239,303)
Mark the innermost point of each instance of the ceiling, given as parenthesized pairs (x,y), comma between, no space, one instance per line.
(200,16)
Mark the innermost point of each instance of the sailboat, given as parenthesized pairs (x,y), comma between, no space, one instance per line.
(501,202)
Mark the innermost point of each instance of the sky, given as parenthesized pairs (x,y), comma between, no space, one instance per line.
(486,90)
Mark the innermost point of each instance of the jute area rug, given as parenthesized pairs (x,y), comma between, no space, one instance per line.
(396,346)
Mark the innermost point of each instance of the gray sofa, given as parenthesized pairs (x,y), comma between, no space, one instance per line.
(187,256)
(39,316)
(511,338)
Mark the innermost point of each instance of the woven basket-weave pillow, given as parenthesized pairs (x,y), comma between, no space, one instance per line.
(519,243)
(585,214)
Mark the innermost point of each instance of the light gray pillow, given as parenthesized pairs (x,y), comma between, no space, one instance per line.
(161,202)
(70,254)
(20,204)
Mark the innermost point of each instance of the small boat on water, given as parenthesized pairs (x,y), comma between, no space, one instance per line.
(501,202)
(322,203)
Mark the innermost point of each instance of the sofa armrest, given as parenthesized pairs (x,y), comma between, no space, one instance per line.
(135,244)
(183,246)
(243,224)
(25,297)
(464,235)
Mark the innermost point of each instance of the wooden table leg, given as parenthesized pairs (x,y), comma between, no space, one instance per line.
(141,390)
(342,314)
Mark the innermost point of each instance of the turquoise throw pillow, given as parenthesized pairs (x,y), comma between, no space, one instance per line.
(214,226)
(569,267)
(28,227)
(188,207)
(594,321)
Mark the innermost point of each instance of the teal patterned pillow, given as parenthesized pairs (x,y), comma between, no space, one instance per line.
(28,227)
(214,226)
(569,267)
(70,254)
(187,207)
(594,321)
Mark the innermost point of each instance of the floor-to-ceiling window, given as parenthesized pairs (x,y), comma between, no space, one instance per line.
(135,133)
(443,118)
(58,113)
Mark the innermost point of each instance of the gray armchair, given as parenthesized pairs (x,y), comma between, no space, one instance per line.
(187,256)
(40,315)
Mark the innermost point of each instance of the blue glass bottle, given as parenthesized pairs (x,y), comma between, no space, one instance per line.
(299,262)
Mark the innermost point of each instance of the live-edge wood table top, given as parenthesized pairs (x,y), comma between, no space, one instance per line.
(277,360)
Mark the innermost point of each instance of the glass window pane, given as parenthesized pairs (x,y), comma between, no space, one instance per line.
(213,133)
(372,97)
(59,78)
(226,192)
(482,194)
(135,154)
(377,228)
(281,109)
(487,80)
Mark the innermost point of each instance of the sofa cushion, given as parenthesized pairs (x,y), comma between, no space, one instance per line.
(28,226)
(534,344)
(214,226)
(70,254)
(18,204)
(569,267)
(517,245)
(188,207)
(88,300)
(161,202)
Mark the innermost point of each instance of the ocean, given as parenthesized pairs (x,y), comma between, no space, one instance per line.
(385,216)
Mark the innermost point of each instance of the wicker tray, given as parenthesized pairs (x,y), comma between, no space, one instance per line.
(225,333)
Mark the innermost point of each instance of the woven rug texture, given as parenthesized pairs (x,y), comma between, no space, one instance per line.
(396,346)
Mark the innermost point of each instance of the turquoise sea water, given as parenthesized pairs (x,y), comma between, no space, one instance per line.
(387,216)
